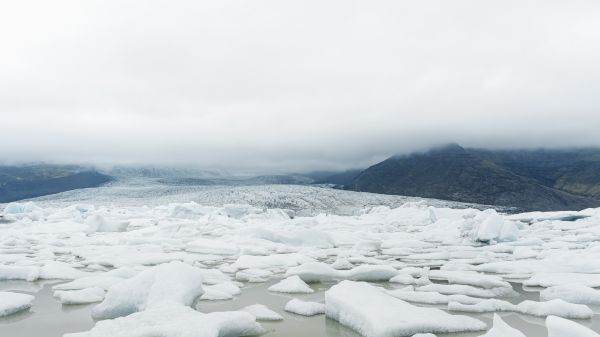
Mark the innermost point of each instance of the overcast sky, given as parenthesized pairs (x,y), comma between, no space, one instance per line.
(292,85)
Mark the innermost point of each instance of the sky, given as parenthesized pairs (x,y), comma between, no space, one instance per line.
(292,85)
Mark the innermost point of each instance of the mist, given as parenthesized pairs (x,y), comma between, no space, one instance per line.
(292,86)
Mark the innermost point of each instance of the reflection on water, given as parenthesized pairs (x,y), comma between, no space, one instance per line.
(48,318)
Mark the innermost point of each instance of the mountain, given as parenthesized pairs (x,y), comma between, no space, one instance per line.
(528,180)
(29,181)
(575,171)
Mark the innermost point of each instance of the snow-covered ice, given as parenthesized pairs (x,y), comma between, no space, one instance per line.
(292,284)
(87,295)
(262,313)
(560,327)
(304,308)
(501,329)
(556,307)
(173,320)
(173,282)
(373,313)
(572,293)
(11,303)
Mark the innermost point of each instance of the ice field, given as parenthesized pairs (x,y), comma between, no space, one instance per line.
(146,259)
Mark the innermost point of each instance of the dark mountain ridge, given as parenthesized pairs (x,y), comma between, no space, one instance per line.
(526,179)
(29,181)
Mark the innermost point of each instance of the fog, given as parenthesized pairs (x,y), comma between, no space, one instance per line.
(292,85)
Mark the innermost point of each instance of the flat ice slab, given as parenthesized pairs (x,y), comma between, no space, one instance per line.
(11,303)
(373,313)
(173,320)
(304,308)
(262,313)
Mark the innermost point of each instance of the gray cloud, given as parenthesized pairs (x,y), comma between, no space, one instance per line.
(293,85)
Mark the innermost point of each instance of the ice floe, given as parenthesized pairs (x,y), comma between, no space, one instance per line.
(11,302)
(173,282)
(501,329)
(573,293)
(304,308)
(556,307)
(87,295)
(173,320)
(359,306)
(262,313)
(292,284)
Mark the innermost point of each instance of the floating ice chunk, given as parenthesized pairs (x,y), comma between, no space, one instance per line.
(490,226)
(304,308)
(60,270)
(227,287)
(469,278)
(173,282)
(19,208)
(366,246)
(172,320)
(212,294)
(560,327)
(405,243)
(98,223)
(431,297)
(188,210)
(488,305)
(371,273)
(322,272)
(342,263)
(11,303)
(556,279)
(403,278)
(262,313)
(24,210)
(238,211)
(19,273)
(315,272)
(371,312)
(555,307)
(253,275)
(501,329)
(270,261)
(87,295)
(572,293)
(213,276)
(293,285)
(398,251)
(524,253)
(221,291)
(461,289)
(208,246)
(299,237)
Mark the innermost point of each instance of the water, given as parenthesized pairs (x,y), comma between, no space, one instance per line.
(48,318)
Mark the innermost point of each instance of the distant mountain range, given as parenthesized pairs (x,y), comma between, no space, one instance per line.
(525,179)
(29,181)
(522,179)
